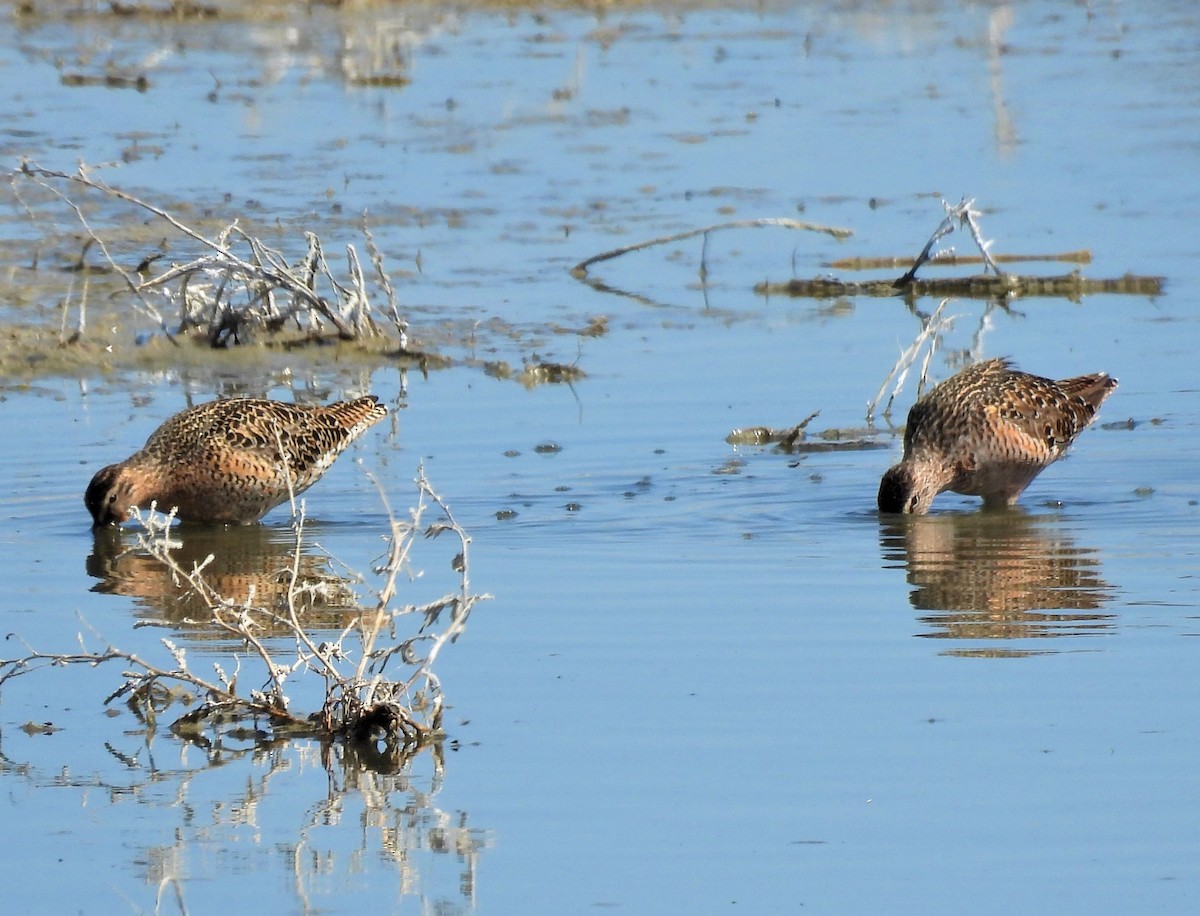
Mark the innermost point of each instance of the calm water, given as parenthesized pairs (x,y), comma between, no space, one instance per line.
(710,680)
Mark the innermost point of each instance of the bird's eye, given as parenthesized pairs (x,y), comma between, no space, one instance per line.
(112,499)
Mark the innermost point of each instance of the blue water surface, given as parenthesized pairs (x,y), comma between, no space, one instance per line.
(710,678)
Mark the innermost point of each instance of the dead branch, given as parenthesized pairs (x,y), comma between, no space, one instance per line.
(238,283)
(385,281)
(579,271)
(1072,287)
(951,259)
(361,700)
(932,329)
(42,178)
(994,284)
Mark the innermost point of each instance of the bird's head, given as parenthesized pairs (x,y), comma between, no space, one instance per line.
(110,496)
(905,490)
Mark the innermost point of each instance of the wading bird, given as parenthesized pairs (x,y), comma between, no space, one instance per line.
(988,431)
(230,461)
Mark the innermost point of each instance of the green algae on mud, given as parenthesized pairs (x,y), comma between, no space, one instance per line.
(29,352)
(233,294)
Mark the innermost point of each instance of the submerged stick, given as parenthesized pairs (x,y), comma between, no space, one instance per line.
(983,286)
(579,271)
(950,259)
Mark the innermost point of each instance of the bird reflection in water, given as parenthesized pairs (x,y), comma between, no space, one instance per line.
(998,576)
(251,564)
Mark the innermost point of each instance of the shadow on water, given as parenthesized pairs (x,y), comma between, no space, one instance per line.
(998,576)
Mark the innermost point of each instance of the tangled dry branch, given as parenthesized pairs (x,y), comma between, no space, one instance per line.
(235,284)
(378,685)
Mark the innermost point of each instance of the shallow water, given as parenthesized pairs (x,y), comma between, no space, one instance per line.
(710,677)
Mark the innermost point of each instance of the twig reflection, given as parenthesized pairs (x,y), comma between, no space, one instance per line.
(326,843)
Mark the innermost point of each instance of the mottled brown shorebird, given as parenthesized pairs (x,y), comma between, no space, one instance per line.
(230,461)
(988,431)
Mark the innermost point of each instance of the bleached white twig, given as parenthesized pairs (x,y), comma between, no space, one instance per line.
(223,291)
(361,700)
(931,330)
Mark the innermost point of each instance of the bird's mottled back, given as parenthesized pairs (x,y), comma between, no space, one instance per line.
(231,460)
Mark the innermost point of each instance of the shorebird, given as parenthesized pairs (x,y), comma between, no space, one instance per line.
(988,431)
(230,461)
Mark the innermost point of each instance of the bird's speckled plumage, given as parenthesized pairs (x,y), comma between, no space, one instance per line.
(230,461)
(988,431)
